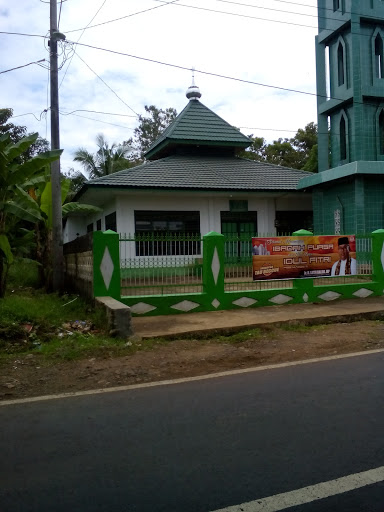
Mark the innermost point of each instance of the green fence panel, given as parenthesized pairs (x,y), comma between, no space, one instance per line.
(106,264)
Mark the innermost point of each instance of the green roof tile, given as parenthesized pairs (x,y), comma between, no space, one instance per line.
(197,124)
(203,173)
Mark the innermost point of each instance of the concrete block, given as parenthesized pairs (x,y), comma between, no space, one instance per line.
(118,315)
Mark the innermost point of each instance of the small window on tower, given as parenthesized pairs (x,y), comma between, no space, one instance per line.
(340,64)
(336,5)
(343,139)
(381,132)
(379,56)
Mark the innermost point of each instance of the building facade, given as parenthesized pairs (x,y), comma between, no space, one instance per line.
(348,191)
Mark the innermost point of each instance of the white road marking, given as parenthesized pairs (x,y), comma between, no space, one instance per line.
(310,493)
(186,379)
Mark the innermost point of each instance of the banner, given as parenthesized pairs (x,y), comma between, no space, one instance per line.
(288,257)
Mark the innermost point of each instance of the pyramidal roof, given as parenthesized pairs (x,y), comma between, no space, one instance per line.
(197,125)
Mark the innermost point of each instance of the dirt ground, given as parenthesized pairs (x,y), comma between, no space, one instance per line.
(29,375)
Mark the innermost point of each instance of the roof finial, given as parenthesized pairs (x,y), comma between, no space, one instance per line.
(193,92)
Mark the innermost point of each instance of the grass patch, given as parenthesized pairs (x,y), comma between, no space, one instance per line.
(300,327)
(242,336)
(23,274)
(32,321)
(37,307)
(80,345)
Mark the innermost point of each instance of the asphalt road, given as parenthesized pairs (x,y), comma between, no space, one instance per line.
(200,446)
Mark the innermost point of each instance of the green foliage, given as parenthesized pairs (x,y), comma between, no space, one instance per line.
(23,273)
(299,152)
(32,321)
(150,128)
(17,205)
(76,179)
(106,160)
(16,133)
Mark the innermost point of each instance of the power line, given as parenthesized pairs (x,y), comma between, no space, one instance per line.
(226,77)
(32,114)
(21,34)
(105,83)
(81,35)
(58,23)
(98,112)
(264,19)
(263,7)
(122,17)
(291,12)
(97,120)
(217,75)
(24,66)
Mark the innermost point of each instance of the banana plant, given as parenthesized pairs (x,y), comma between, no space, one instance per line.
(40,190)
(16,204)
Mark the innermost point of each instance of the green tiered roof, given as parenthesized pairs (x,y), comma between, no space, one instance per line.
(195,172)
(197,125)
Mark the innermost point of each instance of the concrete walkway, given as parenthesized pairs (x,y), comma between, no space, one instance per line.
(221,322)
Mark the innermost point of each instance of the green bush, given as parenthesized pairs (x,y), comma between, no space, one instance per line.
(23,274)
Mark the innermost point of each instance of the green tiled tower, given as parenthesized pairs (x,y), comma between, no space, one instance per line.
(348,191)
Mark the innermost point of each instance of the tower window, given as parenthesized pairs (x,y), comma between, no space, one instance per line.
(340,64)
(379,56)
(336,5)
(343,139)
(381,132)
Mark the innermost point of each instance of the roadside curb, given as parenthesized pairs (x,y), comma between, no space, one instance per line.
(203,333)
(186,379)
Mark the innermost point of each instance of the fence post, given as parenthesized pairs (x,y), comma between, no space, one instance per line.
(106,264)
(213,267)
(378,255)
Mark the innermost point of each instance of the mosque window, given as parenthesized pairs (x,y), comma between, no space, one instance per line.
(343,139)
(340,64)
(381,133)
(379,56)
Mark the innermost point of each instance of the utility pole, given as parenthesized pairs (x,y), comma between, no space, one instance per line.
(57,232)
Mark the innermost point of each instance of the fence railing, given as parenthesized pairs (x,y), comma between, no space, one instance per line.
(157,275)
(161,264)
(158,264)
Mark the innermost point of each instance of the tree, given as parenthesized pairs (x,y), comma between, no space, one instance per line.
(106,160)
(42,194)
(299,152)
(150,128)
(17,206)
(282,152)
(16,133)
(305,143)
(77,180)
(257,149)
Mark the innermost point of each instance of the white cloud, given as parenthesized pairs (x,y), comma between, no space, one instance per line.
(277,54)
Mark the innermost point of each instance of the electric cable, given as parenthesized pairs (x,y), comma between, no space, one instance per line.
(105,83)
(98,112)
(226,77)
(24,66)
(122,17)
(81,35)
(97,120)
(58,23)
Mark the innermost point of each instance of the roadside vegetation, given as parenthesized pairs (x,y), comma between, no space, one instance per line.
(66,327)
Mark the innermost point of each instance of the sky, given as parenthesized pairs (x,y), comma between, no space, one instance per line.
(152,47)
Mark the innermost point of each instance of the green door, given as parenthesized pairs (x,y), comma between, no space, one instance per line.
(239,228)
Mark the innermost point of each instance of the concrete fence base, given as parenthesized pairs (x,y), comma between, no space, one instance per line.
(118,316)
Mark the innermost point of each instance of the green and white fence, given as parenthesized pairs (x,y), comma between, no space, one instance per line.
(157,276)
